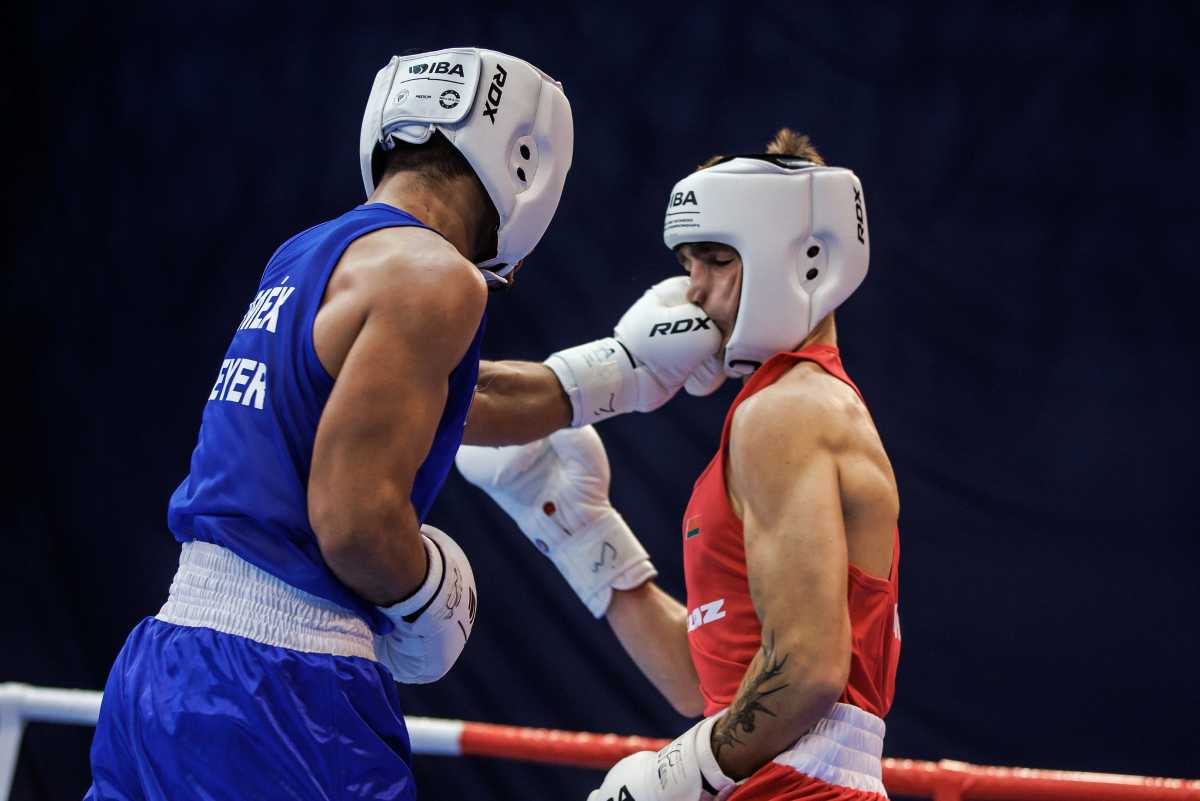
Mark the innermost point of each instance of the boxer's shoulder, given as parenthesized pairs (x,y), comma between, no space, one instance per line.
(775,432)
(407,260)
(410,270)
(409,280)
(805,407)
(809,415)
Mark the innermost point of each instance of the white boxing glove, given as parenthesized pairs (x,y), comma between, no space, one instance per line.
(434,623)
(708,377)
(685,770)
(656,346)
(556,490)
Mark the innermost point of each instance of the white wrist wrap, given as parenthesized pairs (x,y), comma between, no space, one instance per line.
(710,770)
(424,594)
(431,626)
(598,378)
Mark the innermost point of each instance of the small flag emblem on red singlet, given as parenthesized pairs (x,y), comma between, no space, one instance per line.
(692,527)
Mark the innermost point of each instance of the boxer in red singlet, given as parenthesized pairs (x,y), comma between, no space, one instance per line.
(813,587)
(790,638)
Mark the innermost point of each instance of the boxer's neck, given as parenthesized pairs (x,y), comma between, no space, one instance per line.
(824,334)
(453,207)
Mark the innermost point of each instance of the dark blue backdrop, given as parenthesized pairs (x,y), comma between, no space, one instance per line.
(1026,337)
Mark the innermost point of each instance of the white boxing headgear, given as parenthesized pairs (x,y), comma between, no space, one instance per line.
(510,121)
(801,231)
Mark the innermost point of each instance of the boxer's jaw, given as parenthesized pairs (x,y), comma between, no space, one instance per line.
(715,272)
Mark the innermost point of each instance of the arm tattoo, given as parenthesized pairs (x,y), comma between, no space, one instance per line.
(749,700)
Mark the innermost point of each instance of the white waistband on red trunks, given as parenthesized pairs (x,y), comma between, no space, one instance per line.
(845,748)
(217,589)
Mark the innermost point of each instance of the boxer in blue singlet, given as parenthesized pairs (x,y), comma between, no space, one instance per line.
(308,580)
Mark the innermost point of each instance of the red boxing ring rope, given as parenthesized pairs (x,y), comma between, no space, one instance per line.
(941,781)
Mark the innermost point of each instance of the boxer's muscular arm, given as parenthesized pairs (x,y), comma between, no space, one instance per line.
(515,403)
(391,329)
(652,628)
(784,478)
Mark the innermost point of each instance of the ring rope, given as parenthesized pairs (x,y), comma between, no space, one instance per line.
(946,780)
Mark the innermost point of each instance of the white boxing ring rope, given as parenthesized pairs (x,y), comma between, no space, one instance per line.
(946,780)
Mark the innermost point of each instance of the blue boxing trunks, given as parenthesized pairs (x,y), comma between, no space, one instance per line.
(244,687)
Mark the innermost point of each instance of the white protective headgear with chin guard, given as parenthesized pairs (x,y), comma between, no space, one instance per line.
(801,231)
(510,121)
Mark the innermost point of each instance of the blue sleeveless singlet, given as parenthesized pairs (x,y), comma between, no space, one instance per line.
(247,489)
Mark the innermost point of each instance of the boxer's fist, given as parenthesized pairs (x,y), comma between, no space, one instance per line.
(708,377)
(556,490)
(685,770)
(668,337)
(658,344)
(433,624)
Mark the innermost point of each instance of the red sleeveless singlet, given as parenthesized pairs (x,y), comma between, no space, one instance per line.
(724,632)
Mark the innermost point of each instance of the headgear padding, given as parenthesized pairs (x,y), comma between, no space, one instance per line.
(801,232)
(510,121)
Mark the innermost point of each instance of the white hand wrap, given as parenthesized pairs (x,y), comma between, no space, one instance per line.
(658,343)
(556,490)
(685,770)
(434,623)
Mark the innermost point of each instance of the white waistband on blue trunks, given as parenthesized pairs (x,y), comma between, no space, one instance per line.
(845,748)
(217,589)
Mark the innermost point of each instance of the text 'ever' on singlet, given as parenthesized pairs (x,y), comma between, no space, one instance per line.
(724,632)
(248,486)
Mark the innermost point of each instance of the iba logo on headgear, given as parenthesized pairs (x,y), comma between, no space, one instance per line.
(682,199)
(437,68)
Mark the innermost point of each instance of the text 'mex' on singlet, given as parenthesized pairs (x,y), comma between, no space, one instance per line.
(248,486)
